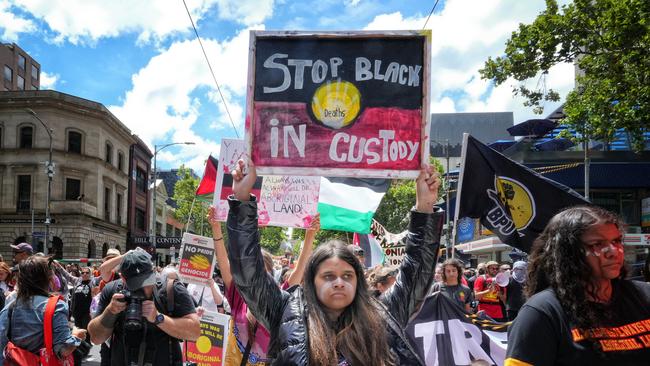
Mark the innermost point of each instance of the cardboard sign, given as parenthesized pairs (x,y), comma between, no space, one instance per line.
(209,349)
(196,259)
(288,201)
(393,245)
(339,103)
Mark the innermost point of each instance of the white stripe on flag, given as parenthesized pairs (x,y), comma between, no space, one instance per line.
(353,198)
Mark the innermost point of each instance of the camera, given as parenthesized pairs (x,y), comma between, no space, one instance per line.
(133,313)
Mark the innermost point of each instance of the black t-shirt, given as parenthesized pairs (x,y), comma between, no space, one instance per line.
(81,298)
(542,334)
(158,343)
(515,299)
(459,294)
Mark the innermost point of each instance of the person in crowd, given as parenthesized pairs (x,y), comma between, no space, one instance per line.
(21,252)
(108,269)
(437,276)
(81,299)
(515,289)
(333,320)
(489,294)
(210,297)
(451,285)
(161,324)
(359,253)
(480,270)
(21,321)
(6,279)
(381,279)
(581,310)
(249,340)
(504,267)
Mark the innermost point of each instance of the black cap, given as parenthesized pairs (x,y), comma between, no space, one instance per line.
(137,270)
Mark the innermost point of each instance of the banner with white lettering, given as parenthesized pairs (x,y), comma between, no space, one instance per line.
(197,258)
(444,335)
(393,245)
(287,201)
(209,349)
(351,104)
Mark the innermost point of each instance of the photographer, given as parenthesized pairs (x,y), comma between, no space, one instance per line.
(143,317)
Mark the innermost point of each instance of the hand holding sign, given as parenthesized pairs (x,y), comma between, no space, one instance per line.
(243,182)
(426,189)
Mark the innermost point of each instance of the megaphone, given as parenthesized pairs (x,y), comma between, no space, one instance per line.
(502,278)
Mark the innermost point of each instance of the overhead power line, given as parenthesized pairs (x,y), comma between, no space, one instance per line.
(211,71)
(431,13)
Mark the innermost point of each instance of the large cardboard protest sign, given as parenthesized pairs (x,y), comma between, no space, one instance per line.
(444,335)
(209,349)
(339,103)
(288,201)
(196,259)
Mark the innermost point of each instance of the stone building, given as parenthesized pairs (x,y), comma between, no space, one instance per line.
(91,149)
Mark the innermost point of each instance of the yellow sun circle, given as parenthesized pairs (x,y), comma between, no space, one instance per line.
(336,104)
(203,344)
(519,201)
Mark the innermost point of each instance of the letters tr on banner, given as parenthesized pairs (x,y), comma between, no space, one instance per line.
(339,103)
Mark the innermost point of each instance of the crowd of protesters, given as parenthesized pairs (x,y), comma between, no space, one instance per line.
(324,307)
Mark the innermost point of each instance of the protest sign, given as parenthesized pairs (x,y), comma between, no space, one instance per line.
(339,103)
(196,259)
(289,201)
(208,350)
(393,245)
(444,335)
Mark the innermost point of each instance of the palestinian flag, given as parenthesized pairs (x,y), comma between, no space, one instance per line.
(348,204)
(373,253)
(205,191)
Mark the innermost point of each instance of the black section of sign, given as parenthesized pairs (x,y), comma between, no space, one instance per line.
(405,51)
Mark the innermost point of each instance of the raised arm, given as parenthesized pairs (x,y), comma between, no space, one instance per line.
(422,243)
(106,269)
(219,247)
(305,253)
(263,297)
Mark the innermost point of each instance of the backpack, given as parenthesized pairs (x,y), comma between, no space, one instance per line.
(16,356)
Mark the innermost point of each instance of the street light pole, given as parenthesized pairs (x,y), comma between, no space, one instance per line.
(50,174)
(154,212)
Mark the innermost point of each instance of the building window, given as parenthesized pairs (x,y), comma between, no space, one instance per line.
(141,180)
(21,62)
(109,153)
(24,192)
(140,219)
(26,137)
(158,228)
(177,231)
(169,231)
(120,161)
(9,74)
(74,142)
(34,72)
(72,189)
(107,204)
(20,83)
(118,208)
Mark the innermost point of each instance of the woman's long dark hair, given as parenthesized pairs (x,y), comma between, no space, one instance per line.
(558,260)
(359,334)
(33,278)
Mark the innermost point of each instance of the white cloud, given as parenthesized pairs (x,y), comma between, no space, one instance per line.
(247,12)
(49,81)
(165,101)
(13,24)
(86,21)
(464,34)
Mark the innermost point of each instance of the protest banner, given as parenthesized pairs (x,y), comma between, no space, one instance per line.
(339,104)
(393,245)
(444,335)
(196,259)
(288,201)
(209,349)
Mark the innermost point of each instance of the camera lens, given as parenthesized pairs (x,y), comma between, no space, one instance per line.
(133,315)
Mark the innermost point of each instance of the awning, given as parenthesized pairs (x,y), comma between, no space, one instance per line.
(486,245)
(533,127)
(555,144)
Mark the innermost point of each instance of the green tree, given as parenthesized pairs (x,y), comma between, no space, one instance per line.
(184,194)
(271,237)
(609,41)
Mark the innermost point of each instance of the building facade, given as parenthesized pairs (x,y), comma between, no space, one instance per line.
(139,204)
(19,70)
(91,152)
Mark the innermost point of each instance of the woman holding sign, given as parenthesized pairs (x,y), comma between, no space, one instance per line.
(332,320)
(249,340)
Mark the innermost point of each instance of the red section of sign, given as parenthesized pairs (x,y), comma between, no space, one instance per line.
(380,138)
(210,358)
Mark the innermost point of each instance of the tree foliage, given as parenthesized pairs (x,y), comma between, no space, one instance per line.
(184,194)
(609,41)
(271,237)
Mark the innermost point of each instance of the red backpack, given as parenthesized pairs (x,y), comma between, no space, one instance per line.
(16,356)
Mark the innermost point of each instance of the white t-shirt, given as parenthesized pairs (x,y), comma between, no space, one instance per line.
(208,301)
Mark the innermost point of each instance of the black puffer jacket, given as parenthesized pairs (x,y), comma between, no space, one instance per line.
(283,313)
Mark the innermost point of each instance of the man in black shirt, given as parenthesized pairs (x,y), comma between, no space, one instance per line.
(515,290)
(152,337)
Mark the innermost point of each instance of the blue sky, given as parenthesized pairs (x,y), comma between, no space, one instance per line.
(141,58)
